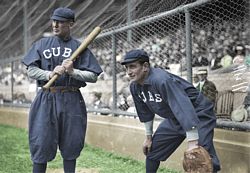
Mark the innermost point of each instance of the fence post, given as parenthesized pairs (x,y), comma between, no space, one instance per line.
(114,105)
(188,45)
(25,27)
(129,33)
(12,81)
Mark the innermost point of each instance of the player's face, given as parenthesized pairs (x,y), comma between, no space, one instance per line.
(137,72)
(202,77)
(61,29)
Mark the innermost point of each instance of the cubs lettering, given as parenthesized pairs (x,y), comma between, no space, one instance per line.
(47,53)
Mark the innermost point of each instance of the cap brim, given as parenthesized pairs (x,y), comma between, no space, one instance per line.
(129,61)
(201,73)
(58,18)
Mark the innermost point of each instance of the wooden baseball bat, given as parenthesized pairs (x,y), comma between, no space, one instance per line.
(76,53)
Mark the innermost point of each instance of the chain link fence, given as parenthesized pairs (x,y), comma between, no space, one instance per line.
(179,36)
(217,28)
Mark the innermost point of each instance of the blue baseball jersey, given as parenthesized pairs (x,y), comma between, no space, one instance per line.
(49,52)
(168,96)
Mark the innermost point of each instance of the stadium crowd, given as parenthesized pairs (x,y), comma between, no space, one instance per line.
(215,49)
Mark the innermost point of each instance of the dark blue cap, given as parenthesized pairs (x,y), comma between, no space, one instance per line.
(63,14)
(135,55)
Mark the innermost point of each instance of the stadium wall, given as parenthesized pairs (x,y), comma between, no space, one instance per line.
(125,136)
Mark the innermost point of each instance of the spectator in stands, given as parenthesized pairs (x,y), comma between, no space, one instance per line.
(215,60)
(1,98)
(19,98)
(186,113)
(122,102)
(226,60)
(247,102)
(58,116)
(97,103)
(201,60)
(205,86)
(247,58)
(195,80)
(240,55)
(131,104)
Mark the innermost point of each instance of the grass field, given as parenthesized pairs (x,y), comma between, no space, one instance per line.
(15,157)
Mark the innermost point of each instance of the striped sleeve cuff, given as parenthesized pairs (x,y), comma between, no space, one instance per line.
(192,135)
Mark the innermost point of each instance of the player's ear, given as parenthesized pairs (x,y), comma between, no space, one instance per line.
(146,66)
(71,23)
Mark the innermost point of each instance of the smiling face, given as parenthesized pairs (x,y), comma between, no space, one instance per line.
(62,28)
(137,71)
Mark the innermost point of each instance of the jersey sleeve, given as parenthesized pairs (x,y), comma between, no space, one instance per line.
(142,109)
(179,102)
(87,61)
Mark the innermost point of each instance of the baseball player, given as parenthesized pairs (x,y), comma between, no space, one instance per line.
(57,116)
(186,112)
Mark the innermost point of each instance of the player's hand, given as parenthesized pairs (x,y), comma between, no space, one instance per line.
(192,144)
(147,145)
(68,64)
(59,70)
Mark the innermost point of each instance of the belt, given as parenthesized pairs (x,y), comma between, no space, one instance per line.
(62,89)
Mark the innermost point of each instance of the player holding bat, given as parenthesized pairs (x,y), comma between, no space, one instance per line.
(186,113)
(57,116)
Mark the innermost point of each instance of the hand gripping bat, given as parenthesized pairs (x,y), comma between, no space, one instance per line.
(76,53)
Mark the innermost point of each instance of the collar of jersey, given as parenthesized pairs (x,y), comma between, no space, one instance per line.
(62,39)
(147,80)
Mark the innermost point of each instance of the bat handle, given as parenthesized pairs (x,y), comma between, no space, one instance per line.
(51,81)
(82,47)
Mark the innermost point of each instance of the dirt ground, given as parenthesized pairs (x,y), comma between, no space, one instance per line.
(82,170)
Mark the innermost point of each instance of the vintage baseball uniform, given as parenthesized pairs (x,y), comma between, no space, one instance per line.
(58,117)
(183,108)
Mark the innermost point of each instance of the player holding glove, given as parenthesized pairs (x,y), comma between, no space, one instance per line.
(187,113)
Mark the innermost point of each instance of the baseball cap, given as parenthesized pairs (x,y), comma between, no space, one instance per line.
(202,71)
(239,47)
(135,55)
(63,14)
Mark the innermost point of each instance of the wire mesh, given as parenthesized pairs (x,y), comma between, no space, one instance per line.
(218,27)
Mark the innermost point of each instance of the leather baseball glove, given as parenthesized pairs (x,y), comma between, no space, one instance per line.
(197,160)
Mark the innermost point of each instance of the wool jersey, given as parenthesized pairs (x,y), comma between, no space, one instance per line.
(49,52)
(168,96)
